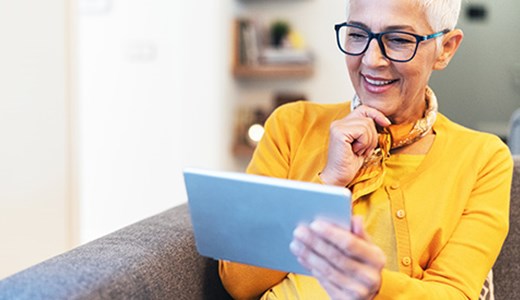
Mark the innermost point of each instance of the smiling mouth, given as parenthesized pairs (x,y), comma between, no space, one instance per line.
(379,82)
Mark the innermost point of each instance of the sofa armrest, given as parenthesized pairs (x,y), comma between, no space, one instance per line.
(506,271)
(151,259)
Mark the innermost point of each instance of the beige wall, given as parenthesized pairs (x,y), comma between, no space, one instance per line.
(35,205)
(480,88)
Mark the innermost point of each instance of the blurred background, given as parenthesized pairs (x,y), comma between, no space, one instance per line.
(103,102)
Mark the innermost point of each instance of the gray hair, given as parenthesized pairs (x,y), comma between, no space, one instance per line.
(441,14)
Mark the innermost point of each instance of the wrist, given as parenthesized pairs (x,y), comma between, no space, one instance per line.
(329,179)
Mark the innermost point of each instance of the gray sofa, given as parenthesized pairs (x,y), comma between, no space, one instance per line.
(156,259)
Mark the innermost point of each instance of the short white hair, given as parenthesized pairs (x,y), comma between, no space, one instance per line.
(441,14)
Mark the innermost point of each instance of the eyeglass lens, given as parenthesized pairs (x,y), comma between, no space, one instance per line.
(397,45)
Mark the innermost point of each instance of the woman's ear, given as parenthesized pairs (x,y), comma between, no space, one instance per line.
(449,46)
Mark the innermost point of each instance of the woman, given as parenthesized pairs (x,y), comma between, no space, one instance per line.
(430,198)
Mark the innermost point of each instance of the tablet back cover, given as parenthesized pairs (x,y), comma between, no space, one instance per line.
(250,219)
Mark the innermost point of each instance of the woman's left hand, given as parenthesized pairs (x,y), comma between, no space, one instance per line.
(345,262)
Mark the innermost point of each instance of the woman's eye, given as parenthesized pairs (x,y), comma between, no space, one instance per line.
(357,36)
(403,40)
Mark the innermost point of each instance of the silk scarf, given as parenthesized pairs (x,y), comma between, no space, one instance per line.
(370,176)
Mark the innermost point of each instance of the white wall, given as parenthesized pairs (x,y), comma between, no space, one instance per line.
(152,79)
(156,95)
(35,205)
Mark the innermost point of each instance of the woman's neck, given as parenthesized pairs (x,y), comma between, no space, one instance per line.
(422,146)
(410,115)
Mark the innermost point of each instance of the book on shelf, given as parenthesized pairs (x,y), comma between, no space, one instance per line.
(253,48)
(272,55)
(248,42)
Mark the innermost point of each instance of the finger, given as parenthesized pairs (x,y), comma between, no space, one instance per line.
(355,129)
(317,255)
(365,142)
(374,114)
(364,149)
(360,281)
(358,228)
(361,133)
(308,244)
(357,248)
(343,291)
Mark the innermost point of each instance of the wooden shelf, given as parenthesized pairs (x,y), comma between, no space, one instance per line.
(262,71)
(273,71)
(241,150)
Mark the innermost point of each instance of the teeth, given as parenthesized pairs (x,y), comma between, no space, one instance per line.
(378,82)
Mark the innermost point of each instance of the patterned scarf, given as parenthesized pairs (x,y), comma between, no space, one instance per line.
(370,177)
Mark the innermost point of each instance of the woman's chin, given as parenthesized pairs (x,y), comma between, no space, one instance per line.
(381,105)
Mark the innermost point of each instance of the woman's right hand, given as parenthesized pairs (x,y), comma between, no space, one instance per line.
(351,140)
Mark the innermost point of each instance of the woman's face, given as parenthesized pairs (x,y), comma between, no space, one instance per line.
(396,89)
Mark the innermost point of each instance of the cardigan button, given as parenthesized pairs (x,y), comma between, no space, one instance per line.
(406,261)
(394,186)
(400,214)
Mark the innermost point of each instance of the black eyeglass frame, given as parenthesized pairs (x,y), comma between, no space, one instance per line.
(377,36)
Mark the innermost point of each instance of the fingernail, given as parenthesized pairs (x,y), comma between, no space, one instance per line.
(299,232)
(317,226)
(316,273)
(296,247)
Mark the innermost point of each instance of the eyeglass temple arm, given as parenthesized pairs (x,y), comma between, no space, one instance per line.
(434,35)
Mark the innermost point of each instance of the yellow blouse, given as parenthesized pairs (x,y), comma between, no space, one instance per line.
(448,213)
(375,208)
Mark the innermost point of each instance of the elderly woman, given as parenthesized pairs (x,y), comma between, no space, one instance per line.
(430,197)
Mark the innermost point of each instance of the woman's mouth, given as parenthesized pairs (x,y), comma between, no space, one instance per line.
(379,82)
(377,85)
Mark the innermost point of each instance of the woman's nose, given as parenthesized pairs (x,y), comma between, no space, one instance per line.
(373,56)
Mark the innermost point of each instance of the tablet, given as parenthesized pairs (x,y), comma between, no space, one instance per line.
(250,219)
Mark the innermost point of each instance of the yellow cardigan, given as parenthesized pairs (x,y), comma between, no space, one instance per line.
(450,216)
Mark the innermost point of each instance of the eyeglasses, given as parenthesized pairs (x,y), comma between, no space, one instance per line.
(398,46)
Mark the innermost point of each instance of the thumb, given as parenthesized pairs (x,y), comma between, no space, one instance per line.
(358,229)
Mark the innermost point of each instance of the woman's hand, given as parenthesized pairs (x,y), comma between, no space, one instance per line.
(345,262)
(351,140)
